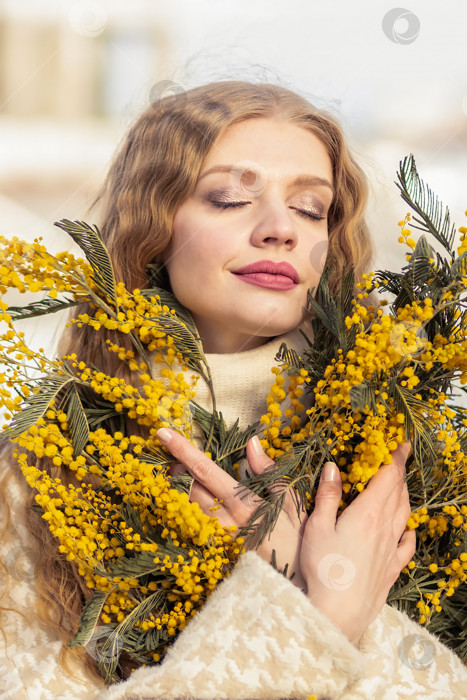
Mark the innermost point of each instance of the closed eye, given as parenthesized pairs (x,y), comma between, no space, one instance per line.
(225,205)
(234,205)
(309,214)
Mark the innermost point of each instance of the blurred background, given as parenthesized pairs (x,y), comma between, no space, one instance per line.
(75,73)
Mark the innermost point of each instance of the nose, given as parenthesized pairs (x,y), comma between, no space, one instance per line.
(274,226)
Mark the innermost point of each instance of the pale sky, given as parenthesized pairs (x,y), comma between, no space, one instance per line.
(336,50)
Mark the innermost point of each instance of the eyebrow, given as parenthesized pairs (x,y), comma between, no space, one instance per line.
(299,180)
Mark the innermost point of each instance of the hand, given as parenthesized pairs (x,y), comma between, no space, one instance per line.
(238,505)
(349,565)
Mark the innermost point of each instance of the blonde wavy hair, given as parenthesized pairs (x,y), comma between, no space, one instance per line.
(154,171)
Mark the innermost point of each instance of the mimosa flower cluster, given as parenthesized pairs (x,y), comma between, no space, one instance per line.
(392,384)
(148,555)
(29,267)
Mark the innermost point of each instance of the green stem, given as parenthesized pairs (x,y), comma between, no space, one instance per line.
(113,314)
(208,379)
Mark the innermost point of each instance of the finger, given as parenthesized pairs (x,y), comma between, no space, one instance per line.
(257,457)
(206,472)
(402,515)
(208,504)
(202,497)
(406,548)
(397,492)
(386,485)
(328,496)
(176,469)
(259,461)
(404,448)
(401,453)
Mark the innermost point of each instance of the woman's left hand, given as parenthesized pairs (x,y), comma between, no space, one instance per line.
(235,506)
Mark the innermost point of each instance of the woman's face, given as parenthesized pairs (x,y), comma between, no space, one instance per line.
(252,238)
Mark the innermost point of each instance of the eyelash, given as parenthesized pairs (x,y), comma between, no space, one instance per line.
(236,205)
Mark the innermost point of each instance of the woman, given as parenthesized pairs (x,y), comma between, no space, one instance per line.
(238,189)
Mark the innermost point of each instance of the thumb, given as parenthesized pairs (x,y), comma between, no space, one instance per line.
(328,495)
(258,460)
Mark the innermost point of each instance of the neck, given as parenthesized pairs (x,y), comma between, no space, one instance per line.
(228,342)
(242,381)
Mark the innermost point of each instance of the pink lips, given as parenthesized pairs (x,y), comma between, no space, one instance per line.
(266,273)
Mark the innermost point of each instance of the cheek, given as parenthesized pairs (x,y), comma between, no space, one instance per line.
(208,248)
(182,247)
(195,251)
(317,254)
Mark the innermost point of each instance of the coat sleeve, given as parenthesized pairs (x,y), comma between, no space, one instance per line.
(403,660)
(29,652)
(259,637)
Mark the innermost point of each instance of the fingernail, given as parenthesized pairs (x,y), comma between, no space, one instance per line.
(330,472)
(257,447)
(164,435)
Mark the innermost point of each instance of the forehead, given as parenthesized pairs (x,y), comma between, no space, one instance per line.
(281,148)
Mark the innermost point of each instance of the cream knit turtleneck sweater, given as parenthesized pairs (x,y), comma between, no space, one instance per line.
(242,381)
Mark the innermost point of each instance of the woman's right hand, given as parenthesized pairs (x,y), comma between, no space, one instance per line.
(212,485)
(349,565)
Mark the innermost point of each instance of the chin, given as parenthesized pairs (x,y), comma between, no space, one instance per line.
(268,330)
(276,321)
